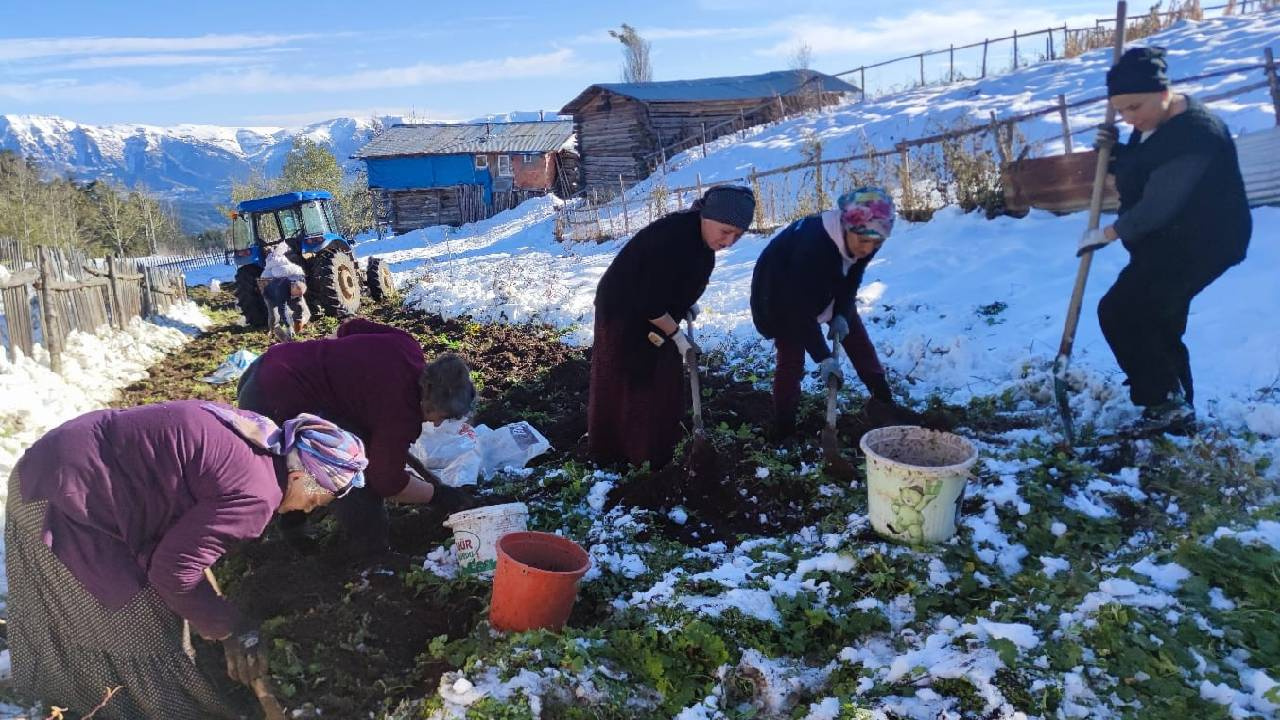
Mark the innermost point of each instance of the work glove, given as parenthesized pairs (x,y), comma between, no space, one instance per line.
(1092,240)
(829,370)
(693,313)
(684,344)
(246,657)
(838,328)
(1107,137)
(450,500)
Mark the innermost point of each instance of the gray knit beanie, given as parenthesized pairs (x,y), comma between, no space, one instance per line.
(730,204)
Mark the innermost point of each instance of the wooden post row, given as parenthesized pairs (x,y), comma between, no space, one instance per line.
(49,314)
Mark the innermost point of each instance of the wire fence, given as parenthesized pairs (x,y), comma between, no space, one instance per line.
(963,163)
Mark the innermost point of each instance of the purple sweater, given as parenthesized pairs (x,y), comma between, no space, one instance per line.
(151,495)
(365,380)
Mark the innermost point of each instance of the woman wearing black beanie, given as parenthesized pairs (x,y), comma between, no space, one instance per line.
(1184,218)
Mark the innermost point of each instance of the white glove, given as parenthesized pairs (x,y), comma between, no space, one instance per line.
(829,369)
(1092,240)
(694,312)
(684,344)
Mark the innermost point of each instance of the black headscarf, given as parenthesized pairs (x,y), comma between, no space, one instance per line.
(1140,70)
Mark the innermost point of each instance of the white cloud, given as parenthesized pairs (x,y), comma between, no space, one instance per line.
(31,48)
(915,32)
(258,81)
(135,61)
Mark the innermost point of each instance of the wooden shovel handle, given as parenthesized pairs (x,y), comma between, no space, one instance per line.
(1095,212)
(271,709)
(695,384)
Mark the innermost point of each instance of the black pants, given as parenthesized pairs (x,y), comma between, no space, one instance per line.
(1144,316)
(362,513)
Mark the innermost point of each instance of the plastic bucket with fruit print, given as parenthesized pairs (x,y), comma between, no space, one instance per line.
(915,482)
(476,533)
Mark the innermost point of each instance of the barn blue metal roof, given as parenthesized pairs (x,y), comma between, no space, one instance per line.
(739,87)
(439,139)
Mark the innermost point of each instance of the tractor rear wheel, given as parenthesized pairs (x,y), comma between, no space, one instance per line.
(381,285)
(249,297)
(335,283)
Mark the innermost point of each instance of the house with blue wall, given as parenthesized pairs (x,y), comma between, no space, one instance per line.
(441,174)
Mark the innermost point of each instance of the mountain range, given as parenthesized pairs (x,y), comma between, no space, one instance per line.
(190,166)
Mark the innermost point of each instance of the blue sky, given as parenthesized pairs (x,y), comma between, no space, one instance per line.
(235,62)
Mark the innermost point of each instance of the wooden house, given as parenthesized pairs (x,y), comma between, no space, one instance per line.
(624,128)
(437,174)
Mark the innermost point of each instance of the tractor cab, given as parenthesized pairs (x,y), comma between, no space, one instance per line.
(307,222)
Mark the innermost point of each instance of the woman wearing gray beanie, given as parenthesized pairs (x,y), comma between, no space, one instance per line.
(637,398)
(1184,218)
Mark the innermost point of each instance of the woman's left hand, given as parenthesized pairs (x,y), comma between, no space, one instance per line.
(246,659)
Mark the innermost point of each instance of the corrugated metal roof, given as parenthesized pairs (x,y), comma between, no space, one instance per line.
(515,137)
(739,87)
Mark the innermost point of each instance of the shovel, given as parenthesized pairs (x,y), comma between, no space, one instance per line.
(830,444)
(271,709)
(702,454)
(1082,273)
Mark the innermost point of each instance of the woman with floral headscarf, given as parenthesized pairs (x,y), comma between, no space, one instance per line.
(112,521)
(809,275)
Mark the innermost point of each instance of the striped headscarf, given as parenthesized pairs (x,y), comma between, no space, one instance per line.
(332,456)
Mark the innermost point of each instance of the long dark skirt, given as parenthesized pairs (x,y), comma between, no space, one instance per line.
(67,649)
(630,418)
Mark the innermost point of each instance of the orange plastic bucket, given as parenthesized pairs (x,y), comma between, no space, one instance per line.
(536,582)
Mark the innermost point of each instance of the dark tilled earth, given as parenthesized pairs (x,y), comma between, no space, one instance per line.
(348,641)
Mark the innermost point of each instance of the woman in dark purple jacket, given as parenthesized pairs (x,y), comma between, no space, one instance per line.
(112,521)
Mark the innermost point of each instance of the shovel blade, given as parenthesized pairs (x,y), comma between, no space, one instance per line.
(836,463)
(1062,399)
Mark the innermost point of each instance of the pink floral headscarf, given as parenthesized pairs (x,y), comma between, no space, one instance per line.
(867,211)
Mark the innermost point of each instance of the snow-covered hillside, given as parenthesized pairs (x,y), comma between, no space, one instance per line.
(959,306)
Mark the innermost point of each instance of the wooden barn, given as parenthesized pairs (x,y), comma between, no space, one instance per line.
(623,128)
(436,174)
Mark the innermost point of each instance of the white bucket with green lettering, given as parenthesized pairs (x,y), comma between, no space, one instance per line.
(915,482)
(476,533)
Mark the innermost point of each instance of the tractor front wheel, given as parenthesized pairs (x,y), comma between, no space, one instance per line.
(249,297)
(335,283)
(381,286)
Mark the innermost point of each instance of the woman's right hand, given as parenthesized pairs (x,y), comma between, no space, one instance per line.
(246,657)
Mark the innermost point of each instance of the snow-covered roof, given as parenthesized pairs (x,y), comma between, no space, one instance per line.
(738,87)
(437,139)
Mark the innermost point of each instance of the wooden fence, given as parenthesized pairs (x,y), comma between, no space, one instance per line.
(785,193)
(51,292)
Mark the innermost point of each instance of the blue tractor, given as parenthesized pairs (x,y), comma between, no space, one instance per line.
(306,221)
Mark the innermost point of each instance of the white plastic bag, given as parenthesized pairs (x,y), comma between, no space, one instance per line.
(233,368)
(511,445)
(450,451)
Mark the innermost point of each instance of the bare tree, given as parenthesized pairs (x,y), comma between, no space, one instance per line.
(802,57)
(635,65)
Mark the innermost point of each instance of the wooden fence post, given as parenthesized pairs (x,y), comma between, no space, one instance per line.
(626,216)
(995,134)
(782,110)
(1053,55)
(862,78)
(117,306)
(985,42)
(1273,83)
(1015,49)
(49,314)
(904,170)
(1066,126)
(951,73)
(704,139)
(922,69)
(755,188)
(699,177)
(819,200)
(742,124)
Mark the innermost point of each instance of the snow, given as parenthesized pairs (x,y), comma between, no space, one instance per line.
(95,366)
(1167,577)
(1266,533)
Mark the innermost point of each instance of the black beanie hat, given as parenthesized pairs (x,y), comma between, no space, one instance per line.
(730,204)
(1140,70)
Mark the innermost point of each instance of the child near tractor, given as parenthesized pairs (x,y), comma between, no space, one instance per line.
(283,284)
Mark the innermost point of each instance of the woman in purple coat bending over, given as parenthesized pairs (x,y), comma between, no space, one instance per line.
(111,524)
